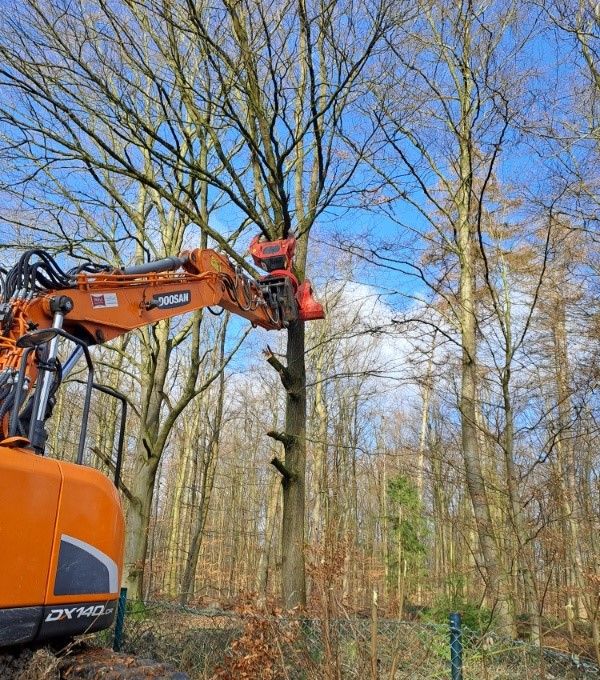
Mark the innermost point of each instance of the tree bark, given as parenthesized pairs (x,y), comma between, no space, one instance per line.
(292,532)
(138,516)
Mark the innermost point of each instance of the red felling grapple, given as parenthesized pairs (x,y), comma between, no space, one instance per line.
(281,284)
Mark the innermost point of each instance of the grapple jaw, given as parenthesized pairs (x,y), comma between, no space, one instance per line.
(309,309)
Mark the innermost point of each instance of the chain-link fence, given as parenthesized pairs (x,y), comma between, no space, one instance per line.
(251,644)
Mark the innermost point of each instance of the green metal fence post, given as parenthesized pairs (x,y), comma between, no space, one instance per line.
(456,647)
(118,640)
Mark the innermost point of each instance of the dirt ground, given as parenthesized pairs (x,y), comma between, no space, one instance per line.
(81,662)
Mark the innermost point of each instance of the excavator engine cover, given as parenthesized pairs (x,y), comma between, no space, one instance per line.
(62,537)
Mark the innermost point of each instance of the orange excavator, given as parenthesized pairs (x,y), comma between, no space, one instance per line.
(61,523)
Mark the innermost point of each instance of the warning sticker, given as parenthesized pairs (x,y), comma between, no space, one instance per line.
(100,300)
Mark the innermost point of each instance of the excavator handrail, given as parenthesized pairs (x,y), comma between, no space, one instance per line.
(111,391)
(14,418)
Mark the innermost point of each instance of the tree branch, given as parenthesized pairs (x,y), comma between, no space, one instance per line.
(284,374)
(281,468)
(109,463)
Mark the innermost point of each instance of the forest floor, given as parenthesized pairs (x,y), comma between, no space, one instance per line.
(178,643)
(246,643)
(82,662)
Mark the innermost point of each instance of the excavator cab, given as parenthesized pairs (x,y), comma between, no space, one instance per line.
(62,568)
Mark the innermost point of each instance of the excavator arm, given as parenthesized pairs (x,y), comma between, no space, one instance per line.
(102,306)
(98,306)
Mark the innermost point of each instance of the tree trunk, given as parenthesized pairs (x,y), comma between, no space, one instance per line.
(139,512)
(580,603)
(422,444)
(171,584)
(496,588)
(497,592)
(320,481)
(209,460)
(519,521)
(292,530)
(147,459)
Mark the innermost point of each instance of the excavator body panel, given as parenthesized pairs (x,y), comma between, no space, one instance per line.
(62,537)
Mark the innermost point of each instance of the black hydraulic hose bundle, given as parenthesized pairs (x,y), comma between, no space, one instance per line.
(37,271)
(29,275)
(7,394)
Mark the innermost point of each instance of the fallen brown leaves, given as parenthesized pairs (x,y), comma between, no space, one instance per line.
(81,662)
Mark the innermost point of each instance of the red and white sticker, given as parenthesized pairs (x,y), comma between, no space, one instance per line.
(100,300)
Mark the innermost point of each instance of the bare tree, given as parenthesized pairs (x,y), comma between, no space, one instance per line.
(437,155)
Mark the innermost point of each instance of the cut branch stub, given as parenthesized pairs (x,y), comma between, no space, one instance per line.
(282,437)
(281,468)
(284,374)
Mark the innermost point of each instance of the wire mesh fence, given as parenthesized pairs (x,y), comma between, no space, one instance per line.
(251,644)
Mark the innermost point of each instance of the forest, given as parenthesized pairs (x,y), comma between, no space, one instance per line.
(431,445)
